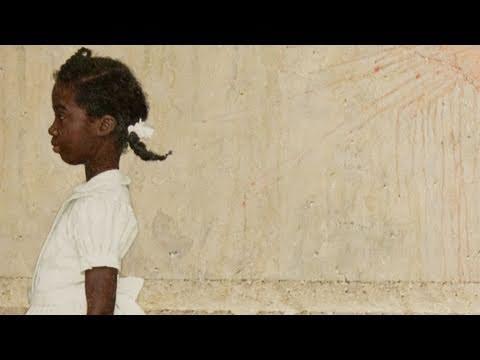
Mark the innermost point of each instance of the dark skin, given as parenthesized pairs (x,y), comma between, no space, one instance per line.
(84,140)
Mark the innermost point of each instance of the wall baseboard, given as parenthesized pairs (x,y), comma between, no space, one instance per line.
(284,297)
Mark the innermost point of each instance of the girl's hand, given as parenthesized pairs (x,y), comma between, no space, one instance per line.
(101,289)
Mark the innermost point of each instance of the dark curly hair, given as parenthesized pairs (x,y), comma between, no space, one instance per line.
(104,86)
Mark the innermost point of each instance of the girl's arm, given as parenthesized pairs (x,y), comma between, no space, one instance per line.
(100,289)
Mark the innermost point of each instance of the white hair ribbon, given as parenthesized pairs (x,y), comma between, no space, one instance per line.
(141,129)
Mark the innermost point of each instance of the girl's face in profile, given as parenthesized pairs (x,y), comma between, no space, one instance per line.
(72,130)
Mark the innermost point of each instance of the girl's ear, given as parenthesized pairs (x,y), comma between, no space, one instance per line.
(106,125)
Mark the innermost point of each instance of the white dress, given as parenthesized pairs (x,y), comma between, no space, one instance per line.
(94,227)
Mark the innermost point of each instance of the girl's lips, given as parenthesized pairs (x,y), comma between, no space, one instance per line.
(56,148)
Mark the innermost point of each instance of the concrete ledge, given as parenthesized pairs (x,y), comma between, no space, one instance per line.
(284,297)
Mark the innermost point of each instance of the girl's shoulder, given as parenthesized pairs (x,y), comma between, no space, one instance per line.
(102,218)
(103,203)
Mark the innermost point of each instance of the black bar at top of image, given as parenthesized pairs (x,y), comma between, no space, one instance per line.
(240,37)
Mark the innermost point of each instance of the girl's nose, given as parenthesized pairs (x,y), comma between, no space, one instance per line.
(52,131)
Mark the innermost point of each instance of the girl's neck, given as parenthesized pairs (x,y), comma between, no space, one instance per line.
(91,171)
(106,157)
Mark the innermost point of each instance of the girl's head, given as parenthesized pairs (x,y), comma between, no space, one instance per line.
(95,99)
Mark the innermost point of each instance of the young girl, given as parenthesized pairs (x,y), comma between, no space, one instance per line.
(99,109)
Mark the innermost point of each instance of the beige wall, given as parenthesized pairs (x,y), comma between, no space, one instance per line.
(304,178)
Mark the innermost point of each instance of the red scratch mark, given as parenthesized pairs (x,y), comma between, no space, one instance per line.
(404,67)
(376,69)
(401,58)
(387,94)
(382,110)
(443,90)
(390,106)
(361,58)
(386,53)
(393,66)
(465,50)
(452,66)
(418,76)
(395,61)
(447,89)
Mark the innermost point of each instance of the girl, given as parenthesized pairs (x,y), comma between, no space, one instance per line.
(99,109)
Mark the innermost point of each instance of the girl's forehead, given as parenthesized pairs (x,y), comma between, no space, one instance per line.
(62,93)
(63,97)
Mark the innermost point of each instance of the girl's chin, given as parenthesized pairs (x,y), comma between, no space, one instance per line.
(70,161)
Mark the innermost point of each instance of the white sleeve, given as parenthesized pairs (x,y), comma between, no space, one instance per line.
(103,230)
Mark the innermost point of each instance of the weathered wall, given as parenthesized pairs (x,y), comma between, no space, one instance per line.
(304,179)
